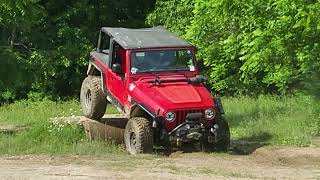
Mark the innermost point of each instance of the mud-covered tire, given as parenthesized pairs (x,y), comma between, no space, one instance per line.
(223,142)
(138,136)
(223,138)
(92,99)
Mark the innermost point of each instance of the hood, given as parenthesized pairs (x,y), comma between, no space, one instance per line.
(177,94)
(172,96)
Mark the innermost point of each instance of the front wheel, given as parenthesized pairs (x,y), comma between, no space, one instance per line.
(223,138)
(92,99)
(138,136)
(222,143)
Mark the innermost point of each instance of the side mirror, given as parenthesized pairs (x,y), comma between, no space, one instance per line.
(116,68)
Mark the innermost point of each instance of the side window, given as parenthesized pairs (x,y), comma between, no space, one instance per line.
(104,42)
(118,57)
(103,48)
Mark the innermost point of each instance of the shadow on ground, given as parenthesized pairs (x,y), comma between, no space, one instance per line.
(243,146)
(118,122)
(247,145)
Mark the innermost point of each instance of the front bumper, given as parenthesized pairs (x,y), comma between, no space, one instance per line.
(190,131)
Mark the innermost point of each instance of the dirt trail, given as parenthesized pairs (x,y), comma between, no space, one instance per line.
(264,163)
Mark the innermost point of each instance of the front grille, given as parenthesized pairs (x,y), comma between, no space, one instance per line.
(181,115)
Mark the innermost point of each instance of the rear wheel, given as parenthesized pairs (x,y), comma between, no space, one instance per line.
(92,99)
(138,136)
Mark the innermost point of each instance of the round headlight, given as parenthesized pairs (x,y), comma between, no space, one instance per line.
(170,116)
(209,113)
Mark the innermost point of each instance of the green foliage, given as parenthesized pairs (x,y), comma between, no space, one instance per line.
(175,15)
(44,45)
(246,46)
(22,15)
(13,75)
(250,46)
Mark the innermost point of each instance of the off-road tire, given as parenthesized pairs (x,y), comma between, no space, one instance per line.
(138,136)
(223,139)
(92,99)
(223,142)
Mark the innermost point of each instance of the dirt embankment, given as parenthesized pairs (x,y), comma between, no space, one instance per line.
(264,163)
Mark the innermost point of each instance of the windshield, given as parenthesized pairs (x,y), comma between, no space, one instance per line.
(163,60)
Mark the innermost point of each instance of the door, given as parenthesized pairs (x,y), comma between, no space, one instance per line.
(116,82)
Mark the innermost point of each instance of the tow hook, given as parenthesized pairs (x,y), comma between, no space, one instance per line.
(154,124)
(214,131)
(179,142)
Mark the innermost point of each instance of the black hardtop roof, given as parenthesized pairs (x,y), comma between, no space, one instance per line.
(156,37)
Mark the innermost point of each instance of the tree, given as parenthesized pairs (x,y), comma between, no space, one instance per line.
(176,15)
(17,19)
(252,45)
(44,45)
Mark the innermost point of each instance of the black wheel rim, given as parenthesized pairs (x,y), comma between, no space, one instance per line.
(133,142)
(88,99)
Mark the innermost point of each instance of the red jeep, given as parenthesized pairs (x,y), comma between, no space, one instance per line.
(151,76)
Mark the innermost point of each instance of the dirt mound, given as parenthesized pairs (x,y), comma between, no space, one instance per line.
(290,156)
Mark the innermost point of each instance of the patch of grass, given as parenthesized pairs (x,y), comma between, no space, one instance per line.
(29,112)
(275,120)
(111,109)
(43,137)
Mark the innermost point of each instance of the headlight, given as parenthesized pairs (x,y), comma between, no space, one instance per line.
(209,113)
(170,116)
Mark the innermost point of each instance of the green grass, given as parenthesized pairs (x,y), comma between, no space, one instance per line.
(274,120)
(43,137)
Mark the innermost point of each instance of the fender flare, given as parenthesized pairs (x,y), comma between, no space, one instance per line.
(137,108)
(91,72)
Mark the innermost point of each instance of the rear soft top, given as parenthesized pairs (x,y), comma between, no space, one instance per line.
(156,37)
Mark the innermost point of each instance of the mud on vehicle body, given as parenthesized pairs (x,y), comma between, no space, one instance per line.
(151,76)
